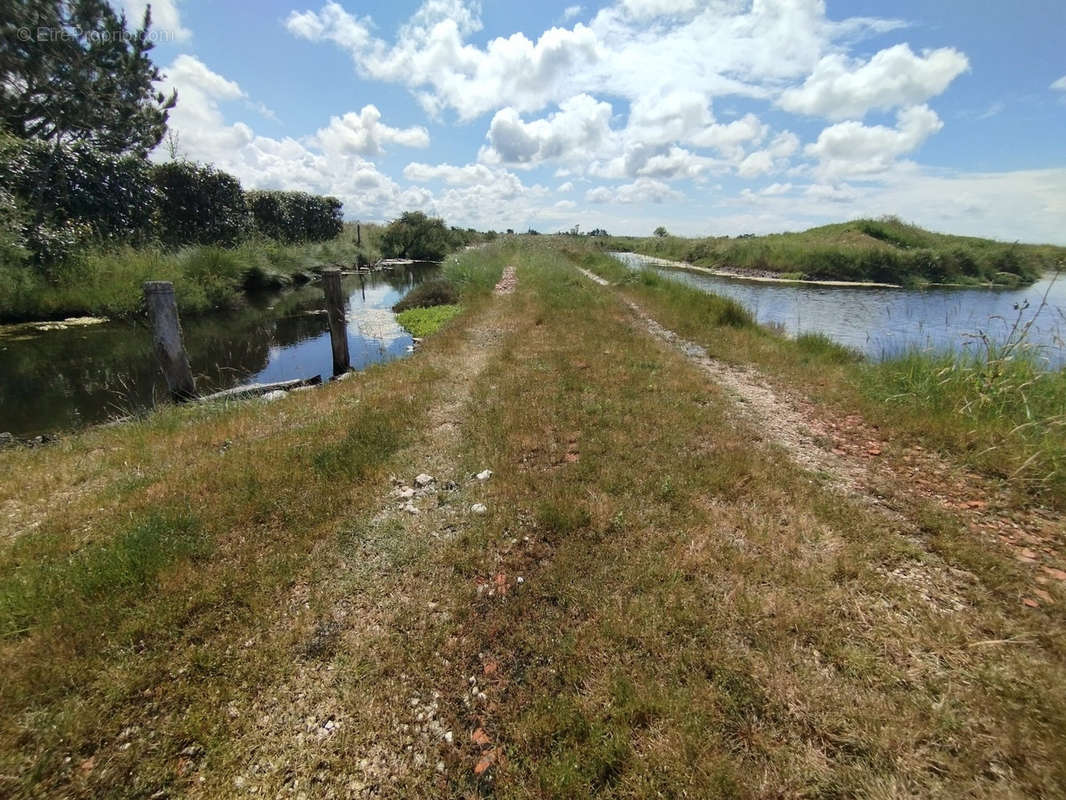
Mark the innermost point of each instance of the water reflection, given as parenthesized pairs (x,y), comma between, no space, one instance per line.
(885,322)
(63,379)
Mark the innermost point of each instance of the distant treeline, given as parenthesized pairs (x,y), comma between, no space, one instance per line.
(57,198)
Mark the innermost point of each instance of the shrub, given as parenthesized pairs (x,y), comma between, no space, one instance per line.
(199,204)
(295,216)
(428,294)
(416,236)
(66,194)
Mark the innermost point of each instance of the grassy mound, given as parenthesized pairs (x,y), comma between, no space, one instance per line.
(884,250)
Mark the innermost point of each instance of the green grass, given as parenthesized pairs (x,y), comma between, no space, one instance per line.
(1005,416)
(107,281)
(422,322)
(697,617)
(883,250)
(103,576)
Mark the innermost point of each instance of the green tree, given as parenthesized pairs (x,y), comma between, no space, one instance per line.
(416,236)
(72,71)
(660,232)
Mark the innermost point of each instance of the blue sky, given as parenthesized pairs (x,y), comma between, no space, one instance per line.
(707,116)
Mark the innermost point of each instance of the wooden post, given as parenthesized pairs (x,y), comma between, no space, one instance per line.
(338,328)
(358,235)
(166,335)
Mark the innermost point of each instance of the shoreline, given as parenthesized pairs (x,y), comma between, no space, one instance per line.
(760,276)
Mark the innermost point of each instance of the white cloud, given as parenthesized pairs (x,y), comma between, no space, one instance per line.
(642,190)
(773,159)
(841,89)
(457,176)
(570,12)
(718,48)
(643,9)
(677,163)
(755,164)
(729,139)
(668,115)
(576,130)
(431,57)
(853,149)
(1060,84)
(363,133)
(565,187)
(775,189)
(166,19)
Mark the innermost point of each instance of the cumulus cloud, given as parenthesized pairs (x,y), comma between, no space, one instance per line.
(365,134)
(467,175)
(1060,84)
(642,190)
(715,48)
(669,115)
(576,130)
(643,9)
(853,149)
(775,189)
(166,19)
(571,11)
(841,89)
(773,159)
(729,139)
(431,57)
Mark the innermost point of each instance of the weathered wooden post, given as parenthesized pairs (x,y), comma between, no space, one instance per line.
(338,328)
(166,335)
(358,235)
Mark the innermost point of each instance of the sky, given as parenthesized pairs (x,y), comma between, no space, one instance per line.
(709,117)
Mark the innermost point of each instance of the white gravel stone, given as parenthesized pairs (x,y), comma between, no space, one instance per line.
(484,475)
(479,508)
(423,480)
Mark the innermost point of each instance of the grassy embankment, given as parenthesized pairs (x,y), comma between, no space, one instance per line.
(107,281)
(696,616)
(1000,411)
(885,251)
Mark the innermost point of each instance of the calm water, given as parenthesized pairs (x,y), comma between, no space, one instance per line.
(885,322)
(63,379)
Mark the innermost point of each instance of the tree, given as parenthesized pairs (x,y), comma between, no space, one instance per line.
(660,232)
(415,236)
(71,71)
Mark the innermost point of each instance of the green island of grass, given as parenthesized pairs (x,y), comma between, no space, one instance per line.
(424,321)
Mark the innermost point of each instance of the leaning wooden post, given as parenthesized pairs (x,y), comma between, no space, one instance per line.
(166,334)
(338,328)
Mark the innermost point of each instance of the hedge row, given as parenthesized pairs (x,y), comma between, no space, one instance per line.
(54,199)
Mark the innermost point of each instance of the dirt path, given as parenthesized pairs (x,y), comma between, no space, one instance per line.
(384,737)
(854,457)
